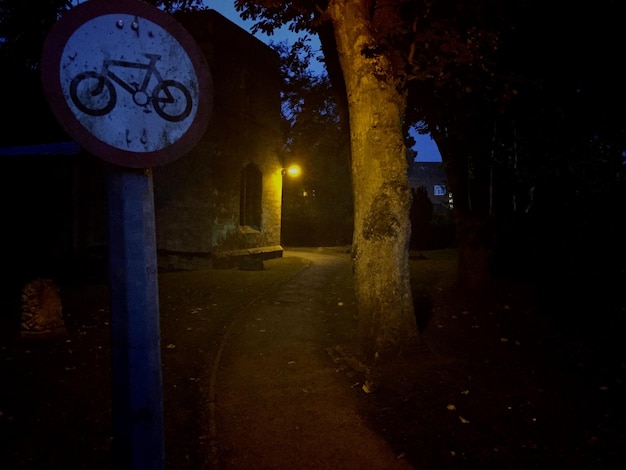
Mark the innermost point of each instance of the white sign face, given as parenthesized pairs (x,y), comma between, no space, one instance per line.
(127,82)
(136,91)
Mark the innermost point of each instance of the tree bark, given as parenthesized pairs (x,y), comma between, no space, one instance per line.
(382,197)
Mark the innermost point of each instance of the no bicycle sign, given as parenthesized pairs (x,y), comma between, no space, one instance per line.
(127,82)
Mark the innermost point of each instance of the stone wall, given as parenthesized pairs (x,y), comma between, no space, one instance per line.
(197,198)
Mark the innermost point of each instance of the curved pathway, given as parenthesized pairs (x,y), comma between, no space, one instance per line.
(278,400)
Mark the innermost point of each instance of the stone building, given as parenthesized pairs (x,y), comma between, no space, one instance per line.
(222,201)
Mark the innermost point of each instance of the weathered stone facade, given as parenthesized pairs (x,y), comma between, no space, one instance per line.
(204,200)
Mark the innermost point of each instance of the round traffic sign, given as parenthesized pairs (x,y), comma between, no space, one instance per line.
(127,82)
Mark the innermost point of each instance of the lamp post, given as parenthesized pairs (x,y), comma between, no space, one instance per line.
(291,172)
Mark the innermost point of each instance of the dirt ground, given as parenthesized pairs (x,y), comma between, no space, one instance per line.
(509,385)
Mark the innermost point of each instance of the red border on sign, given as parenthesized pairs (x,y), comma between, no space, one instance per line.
(53,48)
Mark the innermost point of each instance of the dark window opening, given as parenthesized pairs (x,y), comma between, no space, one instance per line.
(251,192)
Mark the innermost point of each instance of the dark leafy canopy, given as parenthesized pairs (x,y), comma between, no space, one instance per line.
(317,206)
(303,89)
(426,41)
(270,15)
(570,129)
(23,28)
(481,56)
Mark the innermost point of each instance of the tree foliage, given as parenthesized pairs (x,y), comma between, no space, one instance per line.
(23,28)
(317,206)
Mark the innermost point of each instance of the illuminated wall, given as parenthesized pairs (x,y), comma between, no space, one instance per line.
(204,202)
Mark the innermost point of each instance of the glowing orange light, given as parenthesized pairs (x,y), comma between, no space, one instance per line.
(294,170)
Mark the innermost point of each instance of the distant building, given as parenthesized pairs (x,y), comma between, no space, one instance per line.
(432,177)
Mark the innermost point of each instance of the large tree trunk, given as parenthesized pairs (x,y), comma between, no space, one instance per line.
(387,321)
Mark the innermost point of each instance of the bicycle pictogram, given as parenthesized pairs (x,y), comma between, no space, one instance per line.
(94,93)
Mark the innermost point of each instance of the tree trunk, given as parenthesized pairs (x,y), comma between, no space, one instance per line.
(382,197)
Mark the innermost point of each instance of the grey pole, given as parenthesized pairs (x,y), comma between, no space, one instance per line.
(135,328)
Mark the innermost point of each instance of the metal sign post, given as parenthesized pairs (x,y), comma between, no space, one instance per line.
(131,86)
(135,331)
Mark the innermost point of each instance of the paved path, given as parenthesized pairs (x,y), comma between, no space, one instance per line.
(280,402)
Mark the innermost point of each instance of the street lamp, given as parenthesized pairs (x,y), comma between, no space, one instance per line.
(293,170)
